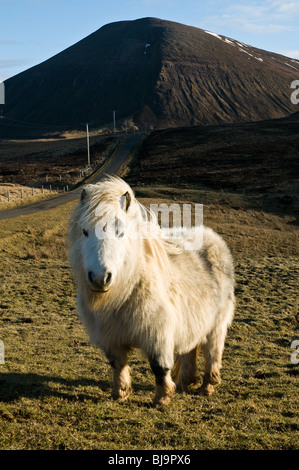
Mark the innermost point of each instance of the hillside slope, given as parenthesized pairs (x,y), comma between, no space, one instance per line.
(160,73)
(257,160)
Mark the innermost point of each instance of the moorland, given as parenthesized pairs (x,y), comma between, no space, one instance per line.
(55,386)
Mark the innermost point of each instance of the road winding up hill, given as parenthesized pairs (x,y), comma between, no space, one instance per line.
(109,169)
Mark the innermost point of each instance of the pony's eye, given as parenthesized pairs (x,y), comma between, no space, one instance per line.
(119,225)
(85,233)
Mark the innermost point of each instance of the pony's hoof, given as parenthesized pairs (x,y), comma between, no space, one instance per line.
(206,390)
(121,394)
(161,403)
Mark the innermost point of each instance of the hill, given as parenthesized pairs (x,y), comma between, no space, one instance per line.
(158,73)
(256,162)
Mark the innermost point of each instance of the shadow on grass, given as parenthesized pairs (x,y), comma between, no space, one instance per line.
(18,385)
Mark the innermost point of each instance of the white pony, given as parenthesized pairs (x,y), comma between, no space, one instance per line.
(147,292)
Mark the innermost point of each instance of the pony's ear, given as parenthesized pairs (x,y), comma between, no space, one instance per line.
(125,201)
(83,194)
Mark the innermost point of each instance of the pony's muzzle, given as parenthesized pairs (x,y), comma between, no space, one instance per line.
(99,282)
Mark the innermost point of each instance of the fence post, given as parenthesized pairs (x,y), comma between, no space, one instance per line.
(8,195)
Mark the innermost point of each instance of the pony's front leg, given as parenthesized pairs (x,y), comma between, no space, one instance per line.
(165,386)
(121,385)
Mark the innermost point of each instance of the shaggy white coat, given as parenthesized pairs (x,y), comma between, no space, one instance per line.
(163,299)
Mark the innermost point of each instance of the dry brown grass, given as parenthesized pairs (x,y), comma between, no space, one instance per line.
(55,387)
(13,195)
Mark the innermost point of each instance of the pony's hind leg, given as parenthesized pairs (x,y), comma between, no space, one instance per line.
(121,386)
(165,386)
(212,351)
(189,374)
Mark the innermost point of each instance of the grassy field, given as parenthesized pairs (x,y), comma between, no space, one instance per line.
(55,387)
(57,162)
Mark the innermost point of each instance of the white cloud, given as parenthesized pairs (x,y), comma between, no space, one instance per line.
(264,28)
(281,7)
(9,63)
(294,54)
(7,42)
(264,17)
(150,3)
(156,2)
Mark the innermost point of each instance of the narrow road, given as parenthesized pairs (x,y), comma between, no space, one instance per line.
(111,168)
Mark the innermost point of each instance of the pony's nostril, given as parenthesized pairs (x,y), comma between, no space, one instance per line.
(108,278)
(100,282)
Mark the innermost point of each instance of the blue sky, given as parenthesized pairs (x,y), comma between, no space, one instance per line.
(34,30)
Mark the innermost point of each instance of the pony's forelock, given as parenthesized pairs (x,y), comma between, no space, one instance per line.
(102,199)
